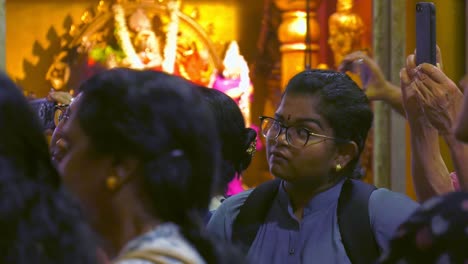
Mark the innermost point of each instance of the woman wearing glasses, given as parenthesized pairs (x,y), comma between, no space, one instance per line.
(313,146)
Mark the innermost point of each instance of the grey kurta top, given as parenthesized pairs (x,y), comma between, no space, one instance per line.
(315,239)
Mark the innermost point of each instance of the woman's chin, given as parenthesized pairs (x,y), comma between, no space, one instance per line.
(278,171)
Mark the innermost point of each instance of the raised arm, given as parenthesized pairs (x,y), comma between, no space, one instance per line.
(429,172)
(442,101)
(373,80)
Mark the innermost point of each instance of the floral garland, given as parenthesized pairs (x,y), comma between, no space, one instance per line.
(170,49)
(123,37)
(244,100)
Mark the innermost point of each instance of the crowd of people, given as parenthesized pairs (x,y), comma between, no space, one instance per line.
(139,164)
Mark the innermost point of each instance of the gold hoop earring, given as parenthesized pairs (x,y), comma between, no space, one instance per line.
(338,167)
(111,183)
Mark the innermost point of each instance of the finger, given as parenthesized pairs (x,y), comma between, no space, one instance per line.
(464,83)
(349,59)
(439,57)
(461,129)
(405,83)
(432,72)
(354,56)
(425,92)
(437,92)
(404,78)
(410,66)
(421,98)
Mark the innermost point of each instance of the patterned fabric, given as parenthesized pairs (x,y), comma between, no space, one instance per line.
(164,238)
(45,111)
(436,233)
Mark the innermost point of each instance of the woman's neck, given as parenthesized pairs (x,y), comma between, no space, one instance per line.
(124,222)
(301,193)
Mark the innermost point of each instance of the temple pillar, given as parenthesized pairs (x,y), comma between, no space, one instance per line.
(397,121)
(2,35)
(381,43)
(292,35)
(389,128)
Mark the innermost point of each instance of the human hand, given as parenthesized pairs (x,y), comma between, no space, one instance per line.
(461,129)
(372,78)
(439,97)
(410,100)
(63,98)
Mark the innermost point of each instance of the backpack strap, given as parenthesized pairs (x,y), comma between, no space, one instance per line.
(252,214)
(354,223)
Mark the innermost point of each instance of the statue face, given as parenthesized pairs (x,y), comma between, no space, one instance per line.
(345,34)
(341,43)
(146,41)
(58,75)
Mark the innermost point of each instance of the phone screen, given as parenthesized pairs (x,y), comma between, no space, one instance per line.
(425,33)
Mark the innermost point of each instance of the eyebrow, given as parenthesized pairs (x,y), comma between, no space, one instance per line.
(301,120)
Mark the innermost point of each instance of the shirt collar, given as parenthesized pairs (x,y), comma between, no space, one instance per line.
(319,202)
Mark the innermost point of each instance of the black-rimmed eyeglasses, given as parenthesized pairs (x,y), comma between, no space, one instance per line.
(296,136)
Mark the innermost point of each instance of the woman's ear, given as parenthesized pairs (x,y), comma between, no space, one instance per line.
(123,172)
(345,153)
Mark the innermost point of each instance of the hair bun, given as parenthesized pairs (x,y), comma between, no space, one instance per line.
(249,139)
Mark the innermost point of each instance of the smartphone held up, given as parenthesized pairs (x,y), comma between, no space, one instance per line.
(426,33)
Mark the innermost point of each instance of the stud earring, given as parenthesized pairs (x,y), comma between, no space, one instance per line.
(111,183)
(338,167)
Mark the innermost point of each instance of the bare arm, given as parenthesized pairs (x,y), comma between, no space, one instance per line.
(393,98)
(428,169)
(429,172)
(373,80)
(442,102)
(459,154)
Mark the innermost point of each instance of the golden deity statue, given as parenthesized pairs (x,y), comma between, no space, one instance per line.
(139,34)
(143,52)
(59,72)
(346,30)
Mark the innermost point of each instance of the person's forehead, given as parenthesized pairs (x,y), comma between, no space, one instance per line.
(299,104)
(301,108)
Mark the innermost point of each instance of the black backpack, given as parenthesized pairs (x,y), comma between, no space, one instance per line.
(353,219)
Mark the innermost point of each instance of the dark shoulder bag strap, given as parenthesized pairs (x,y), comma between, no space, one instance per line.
(354,223)
(252,214)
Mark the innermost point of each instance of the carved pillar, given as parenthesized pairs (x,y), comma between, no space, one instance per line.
(292,34)
(398,122)
(381,47)
(389,128)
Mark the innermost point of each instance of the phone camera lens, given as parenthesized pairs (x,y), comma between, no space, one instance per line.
(418,8)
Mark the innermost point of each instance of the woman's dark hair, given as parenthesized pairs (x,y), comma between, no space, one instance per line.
(163,122)
(235,137)
(342,103)
(40,222)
